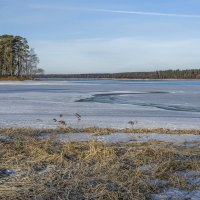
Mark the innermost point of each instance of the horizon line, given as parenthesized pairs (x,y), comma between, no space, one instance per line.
(149,71)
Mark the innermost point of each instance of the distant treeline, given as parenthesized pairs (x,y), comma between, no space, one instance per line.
(16,57)
(168,74)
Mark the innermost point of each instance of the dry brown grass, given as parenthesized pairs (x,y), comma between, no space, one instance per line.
(50,169)
(94,130)
(14,78)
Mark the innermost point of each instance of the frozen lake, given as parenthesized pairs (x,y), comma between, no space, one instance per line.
(103,103)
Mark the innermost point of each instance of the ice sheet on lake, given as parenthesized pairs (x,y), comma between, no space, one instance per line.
(37,103)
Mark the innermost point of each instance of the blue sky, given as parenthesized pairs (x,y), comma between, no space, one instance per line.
(83,36)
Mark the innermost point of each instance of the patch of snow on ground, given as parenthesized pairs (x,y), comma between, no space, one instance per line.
(176,194)
(126,137)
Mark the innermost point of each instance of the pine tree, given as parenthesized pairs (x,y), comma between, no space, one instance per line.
(16,58)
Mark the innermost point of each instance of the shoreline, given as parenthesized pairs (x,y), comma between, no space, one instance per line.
(102,131)
(42,79)
(81,79)
(14,78)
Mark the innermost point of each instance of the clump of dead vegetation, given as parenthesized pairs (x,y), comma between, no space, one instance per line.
(31,168)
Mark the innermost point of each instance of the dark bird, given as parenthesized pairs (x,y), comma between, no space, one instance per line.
(78,116)
(132,123)
(62,122)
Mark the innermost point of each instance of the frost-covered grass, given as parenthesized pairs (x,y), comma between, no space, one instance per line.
(33,168)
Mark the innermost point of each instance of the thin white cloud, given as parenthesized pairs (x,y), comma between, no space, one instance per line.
(150,13)
(162,14)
